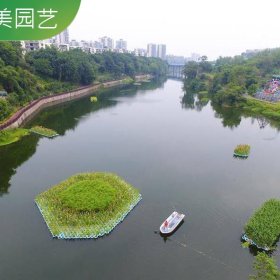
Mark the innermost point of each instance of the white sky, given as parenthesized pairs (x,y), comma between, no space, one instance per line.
(210,27)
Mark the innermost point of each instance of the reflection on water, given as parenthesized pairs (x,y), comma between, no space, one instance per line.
(12,156)
(231,116)
(176,157)
(61,118)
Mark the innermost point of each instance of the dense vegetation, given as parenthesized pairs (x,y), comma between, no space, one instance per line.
(265,268)
(228,79)
(264,226)
(47,71)
(12,135)
(87,205)
(88,195)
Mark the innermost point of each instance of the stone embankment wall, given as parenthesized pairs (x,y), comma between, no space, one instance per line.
(25,113)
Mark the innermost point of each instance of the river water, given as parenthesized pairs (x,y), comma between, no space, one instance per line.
(178,153)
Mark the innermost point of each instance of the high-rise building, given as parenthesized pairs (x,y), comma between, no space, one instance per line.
(63,38)
(161,51)
(74,44)
(140,52)
(97,45)
(121,44)
(152,50)
(107,43)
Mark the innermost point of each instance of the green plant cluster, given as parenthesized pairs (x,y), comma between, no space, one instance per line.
(264,226)
(26,77)
(88,195)
(93,99)
(89,204)
(242,150)
(265,268)
(10,136)
(43,131)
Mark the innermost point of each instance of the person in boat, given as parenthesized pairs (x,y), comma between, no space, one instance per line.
(165,224)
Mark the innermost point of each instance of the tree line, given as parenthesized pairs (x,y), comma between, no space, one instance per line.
(227,79)
(26,77)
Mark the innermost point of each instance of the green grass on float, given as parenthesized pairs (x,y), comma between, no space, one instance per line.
(87,204)
(264,226)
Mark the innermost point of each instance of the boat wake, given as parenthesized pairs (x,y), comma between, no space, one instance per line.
(204,254)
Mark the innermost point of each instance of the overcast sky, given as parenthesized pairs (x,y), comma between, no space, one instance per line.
(212,28)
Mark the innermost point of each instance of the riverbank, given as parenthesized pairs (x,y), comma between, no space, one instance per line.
(262,107)
(18,118)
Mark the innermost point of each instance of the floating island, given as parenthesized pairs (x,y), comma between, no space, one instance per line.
(87,206)
(242,151)
(46,132)
(263,228)
(94,99)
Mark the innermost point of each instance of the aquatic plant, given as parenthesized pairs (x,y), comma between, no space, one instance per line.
(10,136)
(87,205)
(265,268)
(93,99)
(264,226)
(44,131)
(242,150)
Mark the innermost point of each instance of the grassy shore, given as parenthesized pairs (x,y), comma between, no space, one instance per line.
(264,226)
(264,108)
(10,136)
(87,205)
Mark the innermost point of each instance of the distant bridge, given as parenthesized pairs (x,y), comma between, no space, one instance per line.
(176,71)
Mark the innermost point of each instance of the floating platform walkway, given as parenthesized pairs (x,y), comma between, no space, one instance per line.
(240,155)
(245,238)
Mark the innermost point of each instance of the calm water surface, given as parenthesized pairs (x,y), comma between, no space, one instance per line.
(178,155)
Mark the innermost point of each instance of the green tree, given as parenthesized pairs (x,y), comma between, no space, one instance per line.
(5,109)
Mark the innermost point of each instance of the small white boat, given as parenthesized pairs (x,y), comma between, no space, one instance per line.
(171,223)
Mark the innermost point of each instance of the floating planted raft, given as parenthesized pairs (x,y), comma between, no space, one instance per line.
(242,151)
(87,206)
(46,132)
(93,99)
(263,228)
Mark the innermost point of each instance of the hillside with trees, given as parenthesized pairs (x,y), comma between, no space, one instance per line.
(26,77)
(228,78)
